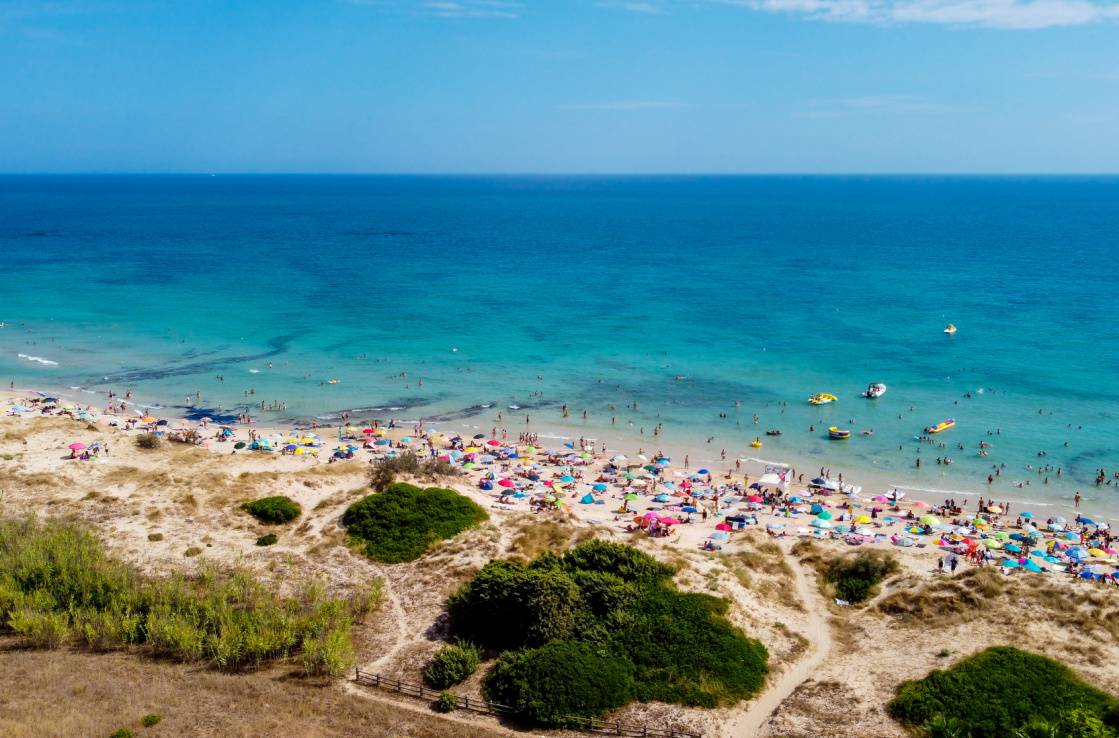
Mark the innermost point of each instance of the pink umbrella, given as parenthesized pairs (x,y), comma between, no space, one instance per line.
(723,526)
(920,503)
(880,498)
(493,443)
(669,521)
(753,498)
(368,431)
(77,446)
(650,516)
(506,483)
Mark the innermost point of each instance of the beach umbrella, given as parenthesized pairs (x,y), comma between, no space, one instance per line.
(703,471)
(862,519)
(1026,515)
(239,445)
(1085,521)
(77,446)
(470,465)
(920,503)
(689,509)
(824,515)
(1031,566)
(630,497)
(754,498)
(723,526)
(992,543)
(629,475)
(928,520)
(1002,535)
(669,521)
(493,442)
(994,509)
(506,483)
(880,498)
(406,439)
(599,487)
(1009,563)
(818,523)
(662,498)
(619,458)
(1012,548)
(567,479)
(719,535)
(588,499)
(382,442)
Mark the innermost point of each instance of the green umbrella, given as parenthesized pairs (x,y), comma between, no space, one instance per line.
(630,497)
(824,515)
(630,475)
(929,520)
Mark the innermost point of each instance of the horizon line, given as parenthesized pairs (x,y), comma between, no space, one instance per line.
(249,173)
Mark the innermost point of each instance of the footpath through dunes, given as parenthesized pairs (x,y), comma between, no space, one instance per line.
(756,714)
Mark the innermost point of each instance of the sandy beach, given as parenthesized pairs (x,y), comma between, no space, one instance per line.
(743,535)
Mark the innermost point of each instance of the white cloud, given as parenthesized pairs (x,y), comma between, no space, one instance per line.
(472,9)
(625,105)
(633,6)
(1011,14)
(879,105)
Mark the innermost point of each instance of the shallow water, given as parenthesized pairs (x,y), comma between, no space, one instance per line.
(684,295)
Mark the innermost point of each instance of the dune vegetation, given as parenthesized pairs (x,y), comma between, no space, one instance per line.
(401,523)
(598,627)
(273,510)
(1002,692)
(58,586)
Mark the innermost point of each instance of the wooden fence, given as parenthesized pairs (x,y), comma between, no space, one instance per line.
(474,704)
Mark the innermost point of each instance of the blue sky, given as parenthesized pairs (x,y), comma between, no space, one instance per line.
(638,86)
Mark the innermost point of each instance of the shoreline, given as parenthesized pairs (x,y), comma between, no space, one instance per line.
(754,462)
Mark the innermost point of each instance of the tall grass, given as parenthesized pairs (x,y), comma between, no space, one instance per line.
(58,586)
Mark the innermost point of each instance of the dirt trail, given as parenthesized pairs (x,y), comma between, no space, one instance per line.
(749,723)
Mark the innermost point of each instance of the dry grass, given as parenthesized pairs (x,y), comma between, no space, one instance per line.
(68,694)
(534,536)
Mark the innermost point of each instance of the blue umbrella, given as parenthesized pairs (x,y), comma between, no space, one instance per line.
(1012,548)
(1027,515)
(720,535)
(689,509)
(567,478)
(1009,563)
(662,498)
(703,471)
(1031,566)
(599,487)
(1084,520)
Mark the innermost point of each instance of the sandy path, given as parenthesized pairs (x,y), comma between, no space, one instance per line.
(749,723)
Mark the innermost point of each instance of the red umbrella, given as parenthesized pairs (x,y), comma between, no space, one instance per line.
(493,443)
(77,446)
(723,526)
(368,431)
(754,498)
(506,483)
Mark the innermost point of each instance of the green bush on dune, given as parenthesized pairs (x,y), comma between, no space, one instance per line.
(402,522)
(856,576)
(1004,692)
(451,665)
(57,585)
(273,510)
(615,610)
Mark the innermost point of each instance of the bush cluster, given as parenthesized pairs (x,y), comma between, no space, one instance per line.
(273,510)
(613,610)
(386,471)
(57,585)
(1003,691)
(267,540)
(855,577)
(451,665)
(147,440)
(400,523)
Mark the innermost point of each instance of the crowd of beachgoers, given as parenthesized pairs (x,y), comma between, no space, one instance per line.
(649,492)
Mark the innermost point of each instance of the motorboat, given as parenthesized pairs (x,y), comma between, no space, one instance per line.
(941,426)
(773,432)
(822,399)
(950,329)
(874,391)
(839,434)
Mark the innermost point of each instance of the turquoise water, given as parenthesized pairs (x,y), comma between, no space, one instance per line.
(685,295)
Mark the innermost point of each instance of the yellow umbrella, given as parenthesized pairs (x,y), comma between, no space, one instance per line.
(1096,552)
(862,519)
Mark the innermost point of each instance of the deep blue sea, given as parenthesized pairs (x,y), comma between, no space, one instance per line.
(704,300)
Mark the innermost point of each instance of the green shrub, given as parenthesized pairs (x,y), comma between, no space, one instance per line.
(267,540)
(400,523)
(386,471)
(56,581)
(447,702)
(273,510)
(149,721)
(153,537)
(1002,690)
(855,577)
(147,441)
(562,680)
(122,733)
(40,629)
(192,551)
(617,602)
(451,665)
